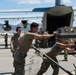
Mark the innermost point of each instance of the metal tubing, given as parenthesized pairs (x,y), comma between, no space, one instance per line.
(51,60)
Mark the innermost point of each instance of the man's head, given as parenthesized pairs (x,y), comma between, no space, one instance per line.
(34,27)
(18,29)
(62,40)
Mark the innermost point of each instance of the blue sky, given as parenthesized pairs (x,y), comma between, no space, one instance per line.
(29,4)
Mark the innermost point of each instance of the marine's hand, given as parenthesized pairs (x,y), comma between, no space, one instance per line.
(12,50)
(54,32)
(70,50)
(39,54)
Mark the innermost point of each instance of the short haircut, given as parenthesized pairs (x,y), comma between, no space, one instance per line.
(59,39)
(17,28)
(34,24)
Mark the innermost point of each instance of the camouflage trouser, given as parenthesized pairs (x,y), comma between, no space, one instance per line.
(19,63)
(13,50)
(45,43)
(45,65)
(65,55)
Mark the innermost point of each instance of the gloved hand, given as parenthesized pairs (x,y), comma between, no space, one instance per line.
(40,54)
(12,50)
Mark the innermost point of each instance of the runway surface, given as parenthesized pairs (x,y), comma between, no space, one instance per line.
(33,62)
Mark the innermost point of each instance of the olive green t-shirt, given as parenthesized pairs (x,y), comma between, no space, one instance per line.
(26,42)
(55,50)
(15,37)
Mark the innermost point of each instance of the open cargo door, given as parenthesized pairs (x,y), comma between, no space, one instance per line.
(57,17)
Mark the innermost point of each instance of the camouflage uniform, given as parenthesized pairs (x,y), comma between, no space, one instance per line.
(15,42)
(45,41)
(21,53)
(46,62)
(66,52)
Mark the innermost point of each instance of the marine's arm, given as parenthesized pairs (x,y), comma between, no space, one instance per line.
(71,40)
(37,36)
(70,49)
(20,39)
(67,45)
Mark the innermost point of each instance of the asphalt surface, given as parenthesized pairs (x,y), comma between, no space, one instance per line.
(33,62)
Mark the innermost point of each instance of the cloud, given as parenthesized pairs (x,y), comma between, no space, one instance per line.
(75,3)
(74,7)
(33,1)
(29,2)
(48,1)
(67,2)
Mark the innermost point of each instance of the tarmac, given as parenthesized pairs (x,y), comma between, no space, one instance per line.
(33,62)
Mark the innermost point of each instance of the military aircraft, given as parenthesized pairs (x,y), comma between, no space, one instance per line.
(53,17)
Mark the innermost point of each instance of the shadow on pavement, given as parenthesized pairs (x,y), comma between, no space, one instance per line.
(4,48)
(4,73)
(3,44)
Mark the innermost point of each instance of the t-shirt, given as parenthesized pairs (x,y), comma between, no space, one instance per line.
(55,50)
(26,42)
(15,37)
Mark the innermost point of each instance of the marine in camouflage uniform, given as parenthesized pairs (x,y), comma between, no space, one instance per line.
(14,41)
(6,40)
(69,41)
(45,41)
(55,50)
(23,48)
(21,53)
